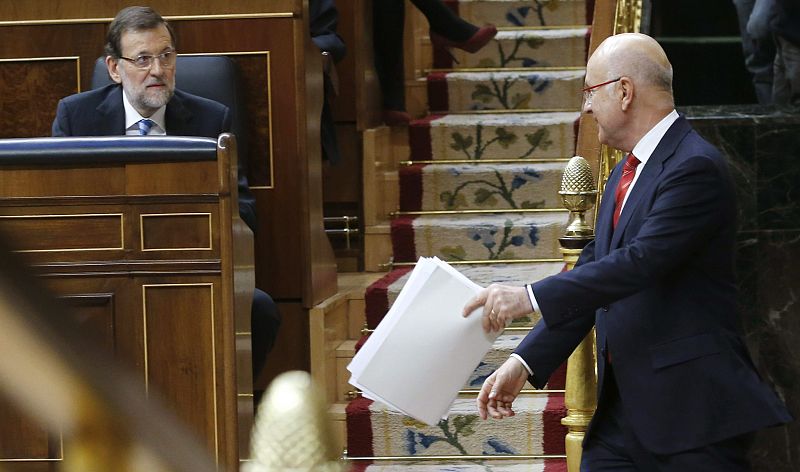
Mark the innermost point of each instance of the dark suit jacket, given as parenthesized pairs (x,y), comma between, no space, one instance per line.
(100,112)
(660,290)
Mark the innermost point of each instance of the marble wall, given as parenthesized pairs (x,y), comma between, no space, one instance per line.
(763,148)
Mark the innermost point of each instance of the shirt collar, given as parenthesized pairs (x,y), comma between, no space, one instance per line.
(645,147)
(132,117)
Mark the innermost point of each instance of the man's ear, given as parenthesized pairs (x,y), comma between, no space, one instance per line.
(113,69)
(627,90)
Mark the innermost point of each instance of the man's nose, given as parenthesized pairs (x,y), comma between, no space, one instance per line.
(156,68)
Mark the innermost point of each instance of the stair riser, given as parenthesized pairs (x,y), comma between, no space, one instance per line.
(521,49)
(508,136)
(549,465)
(479,238)
(484,187)
(462,92)
(525,13)
(535,429)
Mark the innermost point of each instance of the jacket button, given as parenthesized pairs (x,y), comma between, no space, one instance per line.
(605,307)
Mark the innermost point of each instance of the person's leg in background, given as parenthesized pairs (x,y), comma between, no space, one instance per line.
(786,87)
(759,52)
(264,323)
(388,19)
(444,21)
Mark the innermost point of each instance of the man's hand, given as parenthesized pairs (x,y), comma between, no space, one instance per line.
(501,304)
(501,389)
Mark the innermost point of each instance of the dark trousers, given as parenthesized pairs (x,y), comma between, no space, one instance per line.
(612,445)
(264,323)
(388,17)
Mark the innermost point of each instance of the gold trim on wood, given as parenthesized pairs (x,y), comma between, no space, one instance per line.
(58,459)
(477,262)
(486,161)
(476,212)
(152,215)
(75,215)
(509,69)
(269,111)
(72,21)
(487,458)
(503,111)
(77,60)
(526,391)
(541,28)
(514,329)
(213,349)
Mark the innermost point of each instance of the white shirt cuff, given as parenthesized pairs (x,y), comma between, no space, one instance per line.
(532,298)
(519,358)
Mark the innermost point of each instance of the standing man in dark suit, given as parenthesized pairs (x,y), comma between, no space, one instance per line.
(141,57)
(678,390)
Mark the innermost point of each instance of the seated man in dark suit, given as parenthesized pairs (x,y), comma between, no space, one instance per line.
(141,57)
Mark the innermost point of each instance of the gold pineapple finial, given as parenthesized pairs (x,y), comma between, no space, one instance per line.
(292,429)
(578,193)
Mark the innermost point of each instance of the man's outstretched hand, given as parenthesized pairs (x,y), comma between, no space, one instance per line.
(501,389)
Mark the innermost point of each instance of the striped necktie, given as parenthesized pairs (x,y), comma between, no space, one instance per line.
(144,126)
(628,172)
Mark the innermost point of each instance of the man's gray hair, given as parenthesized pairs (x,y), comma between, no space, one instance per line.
(132,19)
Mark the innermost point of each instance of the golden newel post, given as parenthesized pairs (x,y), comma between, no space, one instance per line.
(292,429)
(578,193)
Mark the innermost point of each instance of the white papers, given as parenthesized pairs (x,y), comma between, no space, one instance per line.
(424,350)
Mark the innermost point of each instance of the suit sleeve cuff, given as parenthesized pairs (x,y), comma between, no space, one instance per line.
(525,364)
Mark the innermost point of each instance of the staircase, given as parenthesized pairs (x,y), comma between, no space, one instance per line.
(480,190)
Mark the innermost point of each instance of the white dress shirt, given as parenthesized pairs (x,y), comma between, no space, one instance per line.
(132,119)
(643,150)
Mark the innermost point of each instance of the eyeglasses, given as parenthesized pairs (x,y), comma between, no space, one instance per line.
(145,62)
(588,92)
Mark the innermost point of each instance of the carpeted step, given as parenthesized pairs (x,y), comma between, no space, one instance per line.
(524,12)
(522,48)
(374,429)
(486,186)
(502,348)
(382,293)
(505,90)
(494,136)
(478,237)
(510,465)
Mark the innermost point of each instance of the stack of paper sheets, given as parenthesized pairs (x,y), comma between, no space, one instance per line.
(424,350)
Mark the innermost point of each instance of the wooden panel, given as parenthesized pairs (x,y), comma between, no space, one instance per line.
(21,437)
(189,177)
(62,181)
(94,312)
(182,366)
(54,233)
(176,231)
(84,41)
(344,107)
(291,351)
(20,116)
(255,69)
(44,9)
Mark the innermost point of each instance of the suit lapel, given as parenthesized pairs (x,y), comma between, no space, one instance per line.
(605,213)
(177,117)
(110,117)
(647,178)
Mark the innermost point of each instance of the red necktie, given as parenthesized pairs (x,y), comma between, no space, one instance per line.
(628,172)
